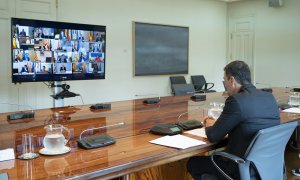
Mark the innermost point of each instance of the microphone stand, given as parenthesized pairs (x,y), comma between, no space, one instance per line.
(57,102)
(101,127)
(189,124)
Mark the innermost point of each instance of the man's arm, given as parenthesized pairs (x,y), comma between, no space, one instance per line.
(230,118)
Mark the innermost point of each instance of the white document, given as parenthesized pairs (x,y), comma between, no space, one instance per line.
(292,110)
(7,154)
(197,132)
(177,141)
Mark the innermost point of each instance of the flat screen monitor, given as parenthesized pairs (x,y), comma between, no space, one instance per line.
(56,51)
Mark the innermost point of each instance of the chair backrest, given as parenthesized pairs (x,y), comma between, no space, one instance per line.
(183,89)
(198,82)
(266,151)
(177,80)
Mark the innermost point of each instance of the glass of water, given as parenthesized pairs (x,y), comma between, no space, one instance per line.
(28,144)
(215,109)
(294,99)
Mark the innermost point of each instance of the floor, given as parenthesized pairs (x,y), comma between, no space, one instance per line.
(292,161)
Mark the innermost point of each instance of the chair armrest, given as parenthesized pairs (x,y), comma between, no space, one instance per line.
(199,91)
(199,88)
(211,86)
(228,156)
(232,157)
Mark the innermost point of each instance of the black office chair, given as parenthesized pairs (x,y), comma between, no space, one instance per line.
(200,84)
(265,153)
(176,80)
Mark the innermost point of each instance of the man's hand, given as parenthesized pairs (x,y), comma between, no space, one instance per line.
(208,121)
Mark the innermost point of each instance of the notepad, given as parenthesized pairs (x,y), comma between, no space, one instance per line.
(177,141)
(197,132)
(7,154)
(292,110)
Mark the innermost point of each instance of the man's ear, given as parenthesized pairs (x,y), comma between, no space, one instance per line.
(233,82)
(231,79)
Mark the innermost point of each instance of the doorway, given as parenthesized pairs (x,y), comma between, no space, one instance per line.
(241,41)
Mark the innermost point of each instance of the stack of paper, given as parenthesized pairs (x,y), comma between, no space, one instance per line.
(177,141)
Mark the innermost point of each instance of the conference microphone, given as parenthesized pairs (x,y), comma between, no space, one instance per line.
(21,114)
(97,141)
(197,97)
(268,87)
(189,124)
(150,100)
(100,106)
(294,88)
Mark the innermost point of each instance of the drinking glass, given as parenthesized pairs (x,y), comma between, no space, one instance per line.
(215,110)
(294,99)
(28,143)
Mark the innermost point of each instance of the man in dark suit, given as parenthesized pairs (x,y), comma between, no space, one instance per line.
(246,111)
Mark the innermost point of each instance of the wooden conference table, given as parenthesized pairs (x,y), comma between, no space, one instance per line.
(132,151)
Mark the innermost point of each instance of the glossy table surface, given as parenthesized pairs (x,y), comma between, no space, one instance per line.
(132,151)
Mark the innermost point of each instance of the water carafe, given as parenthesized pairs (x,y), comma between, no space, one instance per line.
(54,139)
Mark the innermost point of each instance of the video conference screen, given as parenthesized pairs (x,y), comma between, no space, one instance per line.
(56,51)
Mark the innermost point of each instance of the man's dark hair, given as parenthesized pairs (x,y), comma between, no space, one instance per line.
(239,70)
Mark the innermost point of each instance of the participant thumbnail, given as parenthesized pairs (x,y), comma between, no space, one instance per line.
(80,67)
(83,35)
(83,47)
(96,57)
(47,33)
(64,57)
(23,55)
(44,56)
(43,68)
(63,68)
(25,31)
(99,36)
(37,32)
(67,46)
(95,47)
(94,67)
(23,67)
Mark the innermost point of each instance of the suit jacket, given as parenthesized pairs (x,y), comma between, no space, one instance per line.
(244,114)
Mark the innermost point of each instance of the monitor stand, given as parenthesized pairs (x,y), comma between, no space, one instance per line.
(61,91)
(56,89)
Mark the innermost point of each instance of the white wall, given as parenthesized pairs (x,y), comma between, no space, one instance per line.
(206,20)
(277,40)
